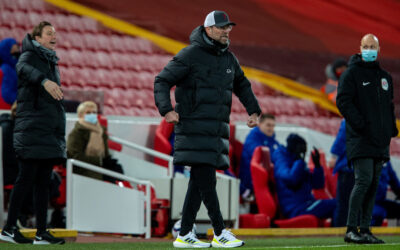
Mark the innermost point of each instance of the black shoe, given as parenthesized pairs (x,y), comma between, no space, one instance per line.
(46,238)
(371,239)
(354,237)
(13,235)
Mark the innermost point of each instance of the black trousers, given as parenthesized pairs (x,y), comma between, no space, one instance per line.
(367,172)
(34,174)
(201,187)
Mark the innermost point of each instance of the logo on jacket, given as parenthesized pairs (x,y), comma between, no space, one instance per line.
(366,83)
(228,71)
(385,84)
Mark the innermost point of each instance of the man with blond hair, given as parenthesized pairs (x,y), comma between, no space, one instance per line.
(365,99)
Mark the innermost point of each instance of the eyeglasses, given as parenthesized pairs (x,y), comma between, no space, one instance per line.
(227,27)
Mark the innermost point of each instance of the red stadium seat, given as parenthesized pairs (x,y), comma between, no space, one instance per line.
(8,5)
(266,199)
(329,190)
(161,141)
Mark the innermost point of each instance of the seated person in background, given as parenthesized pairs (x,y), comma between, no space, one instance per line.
(262,135)
(333,71)
(345,182)
(294,181)
(88,142)
(385,208)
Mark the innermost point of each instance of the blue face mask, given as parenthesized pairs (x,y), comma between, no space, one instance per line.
(91,118)
(369,55)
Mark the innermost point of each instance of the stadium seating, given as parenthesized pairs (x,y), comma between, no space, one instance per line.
(161,141)
(329,190)
(266,198)
(96,58)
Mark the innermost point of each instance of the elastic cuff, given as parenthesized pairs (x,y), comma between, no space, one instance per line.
(44,80)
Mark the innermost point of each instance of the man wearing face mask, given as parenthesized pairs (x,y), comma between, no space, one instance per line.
(39,133)
(294,181)
(9,54)
(88,142)
(365,99)
(206,74)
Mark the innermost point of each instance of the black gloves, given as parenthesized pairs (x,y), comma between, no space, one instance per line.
(316,158)
(300,151)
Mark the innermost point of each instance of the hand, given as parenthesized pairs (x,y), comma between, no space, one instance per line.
(316,158)
(252,121)
(172,117)
(332,161)
(300,151)
(53,89)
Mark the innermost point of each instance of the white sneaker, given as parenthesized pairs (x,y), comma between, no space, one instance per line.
(226,240)
(190,241)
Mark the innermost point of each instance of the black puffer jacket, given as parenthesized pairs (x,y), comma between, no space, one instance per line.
(40,121)
(205,75)
(365,95)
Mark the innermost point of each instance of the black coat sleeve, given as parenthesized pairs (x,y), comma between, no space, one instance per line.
(28,73)
(347,92)
(242,89)
(171,75)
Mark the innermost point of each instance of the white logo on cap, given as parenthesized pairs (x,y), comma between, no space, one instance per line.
(228,71)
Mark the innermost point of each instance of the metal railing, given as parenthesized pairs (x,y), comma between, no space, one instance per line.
(149,151)
(157,154)
(72,162)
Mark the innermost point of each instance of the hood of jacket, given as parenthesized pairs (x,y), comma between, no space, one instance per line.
(200,38)
(357,60)
(47,54)
(5,55)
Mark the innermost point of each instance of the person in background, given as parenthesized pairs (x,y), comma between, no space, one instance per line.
(383,208)
(262,135)
(9,54)
(88,142)
(345,181)
(333,71)
(10,164)
(294,181)
(39,133)
(365,99)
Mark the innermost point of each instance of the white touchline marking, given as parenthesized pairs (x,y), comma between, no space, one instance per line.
(327,246)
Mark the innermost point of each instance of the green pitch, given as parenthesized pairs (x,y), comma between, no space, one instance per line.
(333,243)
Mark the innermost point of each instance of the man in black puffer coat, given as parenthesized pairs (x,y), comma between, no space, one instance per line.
(365,99)
(39,133)
(205,74)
